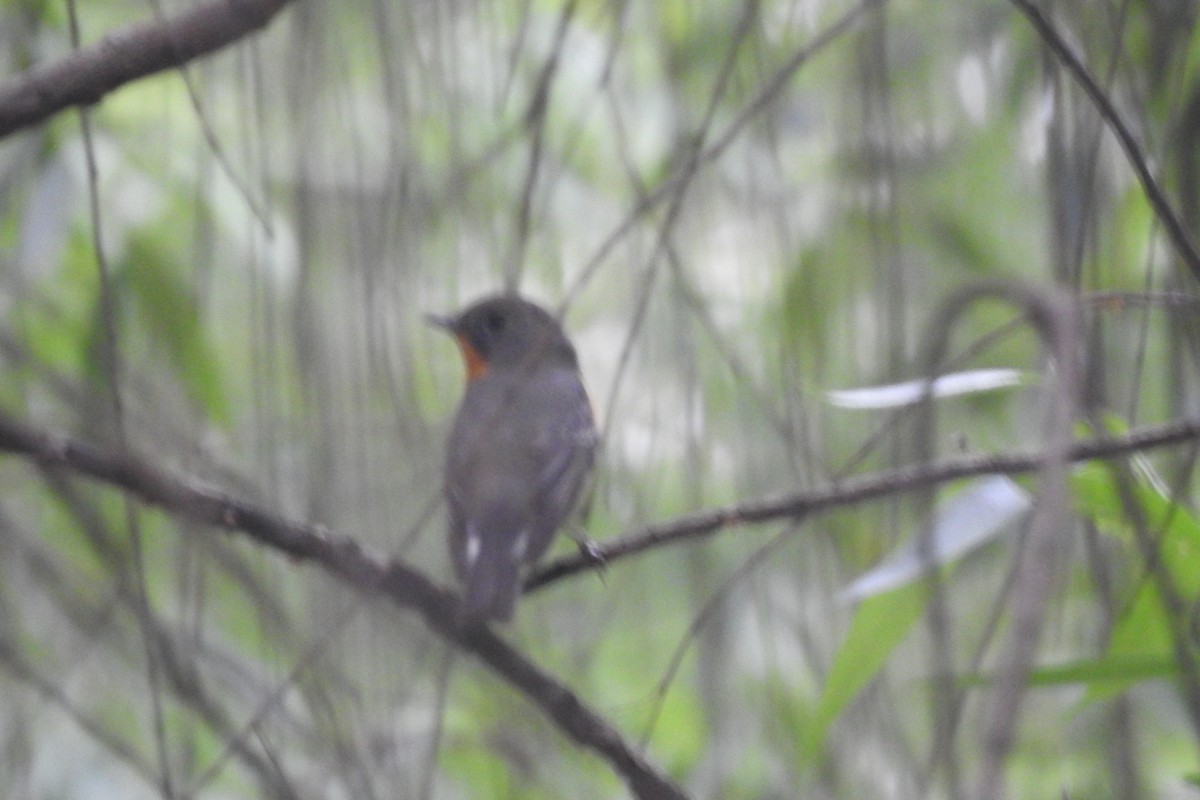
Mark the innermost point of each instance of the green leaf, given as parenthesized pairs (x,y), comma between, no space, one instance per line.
(1144,634)
(168,312)
(880,623)
(1097,672)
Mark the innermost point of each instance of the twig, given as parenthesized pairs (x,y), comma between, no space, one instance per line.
(1175,228)
(142,49)
(674,183)
(851,491)
(343,557)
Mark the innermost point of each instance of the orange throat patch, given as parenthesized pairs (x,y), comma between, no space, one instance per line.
(477,367)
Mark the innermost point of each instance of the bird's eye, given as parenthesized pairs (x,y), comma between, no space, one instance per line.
(495,322)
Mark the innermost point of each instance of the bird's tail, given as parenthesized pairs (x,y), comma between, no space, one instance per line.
(492,585)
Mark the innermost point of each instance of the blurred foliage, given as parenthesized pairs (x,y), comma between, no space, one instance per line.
(729,237)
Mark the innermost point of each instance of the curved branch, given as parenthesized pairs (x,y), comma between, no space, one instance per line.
(142,49)
(343,557)
(850,491)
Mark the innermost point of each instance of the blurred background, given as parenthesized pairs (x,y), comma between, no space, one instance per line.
(738,209)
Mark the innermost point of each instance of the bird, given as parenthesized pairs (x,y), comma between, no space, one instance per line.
(520,452)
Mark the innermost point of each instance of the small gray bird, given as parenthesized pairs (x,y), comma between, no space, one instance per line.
(521,450)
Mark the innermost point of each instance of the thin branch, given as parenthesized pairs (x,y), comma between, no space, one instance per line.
(691,152)
(1175,228)
(673,184)
(406,587)
(344,558)
(535,124)
(12,661)
(142,49)
(111,365)
(853,490)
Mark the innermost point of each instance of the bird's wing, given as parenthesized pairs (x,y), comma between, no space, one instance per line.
(564,444)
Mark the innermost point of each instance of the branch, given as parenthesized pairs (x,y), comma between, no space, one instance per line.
(848,492)
(85,76)
(347,560)
(408,588)
(1176,230)
(673,183)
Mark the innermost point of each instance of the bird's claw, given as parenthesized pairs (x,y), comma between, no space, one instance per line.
(590,552)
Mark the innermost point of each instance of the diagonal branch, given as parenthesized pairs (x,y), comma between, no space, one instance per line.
(408,588)
(850,491)
(347,560)
(1176,229)
(142,49)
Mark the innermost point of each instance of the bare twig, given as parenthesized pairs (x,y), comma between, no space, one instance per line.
(852,491)
(691,153)
(406,587)
(12,660)
(535,122)
(142,49)
(347,560)
(1055,318)
(1174,226)
(714,148)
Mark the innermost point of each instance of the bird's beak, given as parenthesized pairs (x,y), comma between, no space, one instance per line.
(444,321)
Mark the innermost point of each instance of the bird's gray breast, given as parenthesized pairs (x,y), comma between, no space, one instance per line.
(520,449)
